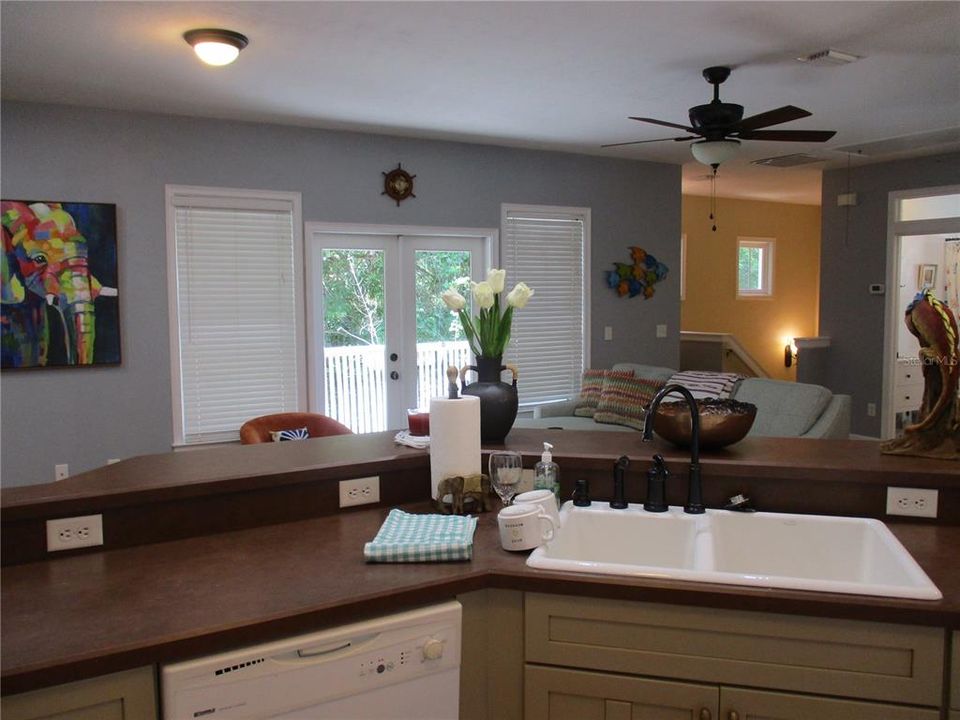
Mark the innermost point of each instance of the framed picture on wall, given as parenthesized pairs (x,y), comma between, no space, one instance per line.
(60,305)
(926,277)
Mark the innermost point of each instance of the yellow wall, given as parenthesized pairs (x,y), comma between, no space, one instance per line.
(711,303)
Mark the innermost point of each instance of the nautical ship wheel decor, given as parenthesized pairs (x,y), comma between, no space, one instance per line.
(398,184)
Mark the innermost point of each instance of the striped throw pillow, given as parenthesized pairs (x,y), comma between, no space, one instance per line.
(704,384)
(624,401)
(590,388)
(298,434)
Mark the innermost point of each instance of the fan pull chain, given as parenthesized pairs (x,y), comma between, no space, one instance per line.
(713,198)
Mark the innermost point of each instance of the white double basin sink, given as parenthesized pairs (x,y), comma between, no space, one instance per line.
(773,550)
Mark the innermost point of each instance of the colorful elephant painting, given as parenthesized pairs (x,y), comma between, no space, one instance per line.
(58,290)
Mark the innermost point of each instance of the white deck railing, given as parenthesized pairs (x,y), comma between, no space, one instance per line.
(355,387)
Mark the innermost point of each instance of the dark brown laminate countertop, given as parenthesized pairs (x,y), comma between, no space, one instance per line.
(202,472)
(87,615)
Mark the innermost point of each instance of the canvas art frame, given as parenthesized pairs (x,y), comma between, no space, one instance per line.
(926,277)
(59,284)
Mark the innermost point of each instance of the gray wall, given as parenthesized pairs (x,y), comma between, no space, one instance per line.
(84,416)
(853,255)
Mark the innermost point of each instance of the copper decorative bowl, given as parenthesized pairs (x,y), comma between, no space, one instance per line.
(722,422)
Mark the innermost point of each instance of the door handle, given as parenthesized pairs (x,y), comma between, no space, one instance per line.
(733,715)
(394,375)
(705,714)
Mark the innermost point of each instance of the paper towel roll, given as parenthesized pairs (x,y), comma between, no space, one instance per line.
(454,439)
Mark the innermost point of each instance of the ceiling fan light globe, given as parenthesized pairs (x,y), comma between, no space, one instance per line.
(216,53)
(715,152)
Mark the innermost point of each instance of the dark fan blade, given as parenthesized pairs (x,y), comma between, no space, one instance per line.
(664,123)
(639,142)
(773,117)
(788,135)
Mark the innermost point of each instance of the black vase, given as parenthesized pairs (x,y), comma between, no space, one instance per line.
(498,400)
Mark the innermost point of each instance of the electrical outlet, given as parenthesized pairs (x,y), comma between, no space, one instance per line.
(360,491)
(61,471)
(871,409)
(915,502)
(74,532)
(662,330)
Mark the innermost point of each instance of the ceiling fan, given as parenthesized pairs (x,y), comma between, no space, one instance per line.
(721,125)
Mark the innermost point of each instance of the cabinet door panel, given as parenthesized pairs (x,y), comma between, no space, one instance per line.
(955,682)
(849,658)
(761,705)
(560,694)
(129,695)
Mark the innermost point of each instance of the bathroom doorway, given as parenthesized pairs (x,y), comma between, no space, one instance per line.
(923,251)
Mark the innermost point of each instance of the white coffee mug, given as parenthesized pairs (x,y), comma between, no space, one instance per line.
(524,527)
(544,499)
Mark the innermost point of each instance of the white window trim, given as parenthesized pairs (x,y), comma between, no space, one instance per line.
(214,197)
(768,270)
(584,215)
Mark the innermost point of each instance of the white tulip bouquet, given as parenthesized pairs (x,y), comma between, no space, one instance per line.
(489,332)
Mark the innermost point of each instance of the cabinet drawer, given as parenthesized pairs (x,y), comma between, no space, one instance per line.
(909,372)
(906,400)
(955,675)
(559,694)
(849,658)
(760,705)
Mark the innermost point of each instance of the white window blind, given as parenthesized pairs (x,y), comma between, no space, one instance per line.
(237,312)
(547,248)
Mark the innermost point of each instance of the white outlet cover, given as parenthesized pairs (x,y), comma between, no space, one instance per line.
(361,491)
(912,502)
(74,532)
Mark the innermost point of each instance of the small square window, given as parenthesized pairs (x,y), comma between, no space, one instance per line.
(754,267)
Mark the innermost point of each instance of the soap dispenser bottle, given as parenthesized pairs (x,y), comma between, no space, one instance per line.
(547,473)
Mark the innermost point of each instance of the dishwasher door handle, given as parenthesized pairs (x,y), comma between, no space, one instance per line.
(328,650)
(317,652)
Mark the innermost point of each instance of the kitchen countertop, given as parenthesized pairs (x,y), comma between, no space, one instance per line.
(76,617)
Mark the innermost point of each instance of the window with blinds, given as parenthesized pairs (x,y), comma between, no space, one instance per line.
(548,249)
(235,307)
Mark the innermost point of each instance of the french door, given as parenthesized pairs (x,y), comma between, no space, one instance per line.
(380,338)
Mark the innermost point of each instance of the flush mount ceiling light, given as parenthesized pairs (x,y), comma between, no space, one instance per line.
(714,152)
(214,46)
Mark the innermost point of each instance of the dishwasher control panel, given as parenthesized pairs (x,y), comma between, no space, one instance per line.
(401,660)
(405,658)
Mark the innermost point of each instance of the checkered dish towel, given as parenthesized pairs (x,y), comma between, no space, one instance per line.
(405,537)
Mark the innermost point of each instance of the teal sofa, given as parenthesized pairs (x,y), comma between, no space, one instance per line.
(784,409)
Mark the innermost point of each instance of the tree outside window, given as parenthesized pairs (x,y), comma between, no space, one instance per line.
(754,267)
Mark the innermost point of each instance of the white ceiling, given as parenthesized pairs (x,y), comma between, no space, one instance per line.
(560,76)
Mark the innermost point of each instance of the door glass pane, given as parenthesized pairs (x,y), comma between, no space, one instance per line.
(440,338)
(353,339)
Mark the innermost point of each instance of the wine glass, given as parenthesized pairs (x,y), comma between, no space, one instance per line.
(506,469)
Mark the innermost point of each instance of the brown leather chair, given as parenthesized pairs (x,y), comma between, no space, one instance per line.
(258,430)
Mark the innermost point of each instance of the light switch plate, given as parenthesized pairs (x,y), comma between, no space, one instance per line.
(661,331)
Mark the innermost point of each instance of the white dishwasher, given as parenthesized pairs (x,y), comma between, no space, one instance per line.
(400,667)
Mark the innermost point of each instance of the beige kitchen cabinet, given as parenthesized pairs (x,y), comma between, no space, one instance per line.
(887,666)
(130,695)
(739,704)
(562,694)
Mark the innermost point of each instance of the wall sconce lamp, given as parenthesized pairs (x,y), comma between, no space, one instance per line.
(789,354)
(214,46)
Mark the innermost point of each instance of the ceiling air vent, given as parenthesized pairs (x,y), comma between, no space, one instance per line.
(830,57)
(791,160)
